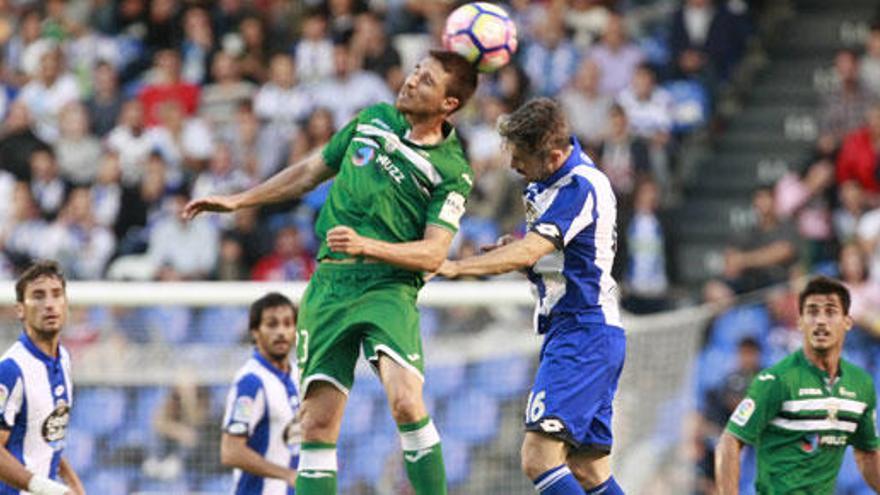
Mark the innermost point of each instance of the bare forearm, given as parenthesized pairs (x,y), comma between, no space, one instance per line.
(869,466)
(247,460)
(418,256)
(516,255)
(727,464)
(290,183)
(70,478)
(12,472)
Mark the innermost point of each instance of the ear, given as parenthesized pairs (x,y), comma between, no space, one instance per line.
(849,322)
(451,104)
(19,311)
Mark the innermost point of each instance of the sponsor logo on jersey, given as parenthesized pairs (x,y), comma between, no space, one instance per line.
(809,391)
(846,393)
(810,443)
(55,426)
(743,412)
(453,208)
(242,410)
(392,169)
(763,377)
(833,440)
(363,156)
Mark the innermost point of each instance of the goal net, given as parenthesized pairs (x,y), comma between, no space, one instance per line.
(153,364)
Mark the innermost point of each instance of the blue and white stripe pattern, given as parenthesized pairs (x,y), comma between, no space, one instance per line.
(262,405)
(575,208)
(36,394)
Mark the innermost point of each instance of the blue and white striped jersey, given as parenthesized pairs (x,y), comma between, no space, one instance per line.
(36,394)
(262,405)
(575,209)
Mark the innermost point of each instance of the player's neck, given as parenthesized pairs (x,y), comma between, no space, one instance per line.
(425,131)
(47,344)
(828,361)
(282,364)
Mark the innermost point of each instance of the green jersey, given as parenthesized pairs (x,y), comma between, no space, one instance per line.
(387,187)
(801,423)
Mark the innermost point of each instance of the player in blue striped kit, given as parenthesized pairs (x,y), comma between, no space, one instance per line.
(260,429)
(36,392)
(568,251)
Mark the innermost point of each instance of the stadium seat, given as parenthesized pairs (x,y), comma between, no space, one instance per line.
(169,324)
(472,417)
(456,457)
(108,481)
(221,325)
(443,380)
(502,377)
(369,456)
(138,429)
(80,450)
(738,323)
(99,410)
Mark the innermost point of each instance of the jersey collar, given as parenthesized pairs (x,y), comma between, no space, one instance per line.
(284,377)
(802,357)
(574,159)
(36,351)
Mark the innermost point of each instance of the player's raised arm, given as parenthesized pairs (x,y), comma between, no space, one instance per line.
(727,464)
(235,453)
(290,183)
(425,255)
(509,257)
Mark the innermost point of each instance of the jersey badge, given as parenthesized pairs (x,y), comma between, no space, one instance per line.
(4,396)
(453,208)
(363,156)
(743,412)
(846,393)
(242,410)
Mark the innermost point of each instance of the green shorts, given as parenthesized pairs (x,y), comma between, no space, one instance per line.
(349,307)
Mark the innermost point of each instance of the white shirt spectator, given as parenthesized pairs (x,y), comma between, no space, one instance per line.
(45,103)
(133,151)
(283,107)
(314,59)
(190,248)
(345,97)
(617,66)
(647,117)
(196,142)
(82,250)
(868,233)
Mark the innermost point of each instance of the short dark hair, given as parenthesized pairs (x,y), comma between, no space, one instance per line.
(40,268)
(824,286)
(463,75)
(270,300)
(537,127)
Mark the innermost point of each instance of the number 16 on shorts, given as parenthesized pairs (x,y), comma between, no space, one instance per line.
(535,407)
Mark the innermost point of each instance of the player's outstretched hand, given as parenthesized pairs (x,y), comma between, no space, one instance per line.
(448,269)
(344,239)
(219,204)
(502,241)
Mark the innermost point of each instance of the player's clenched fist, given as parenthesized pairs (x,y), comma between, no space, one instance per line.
(221,204)
(343,239)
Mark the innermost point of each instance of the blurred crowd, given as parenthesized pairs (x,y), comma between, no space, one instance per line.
(115,113)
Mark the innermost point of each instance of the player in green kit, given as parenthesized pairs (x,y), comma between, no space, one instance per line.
(401,179)
(801,413)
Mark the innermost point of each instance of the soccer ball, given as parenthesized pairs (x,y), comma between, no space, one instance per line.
(483,33)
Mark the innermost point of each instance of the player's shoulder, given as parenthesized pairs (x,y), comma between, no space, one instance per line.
(383,115)
(787,369)
(855,374)
(9,367)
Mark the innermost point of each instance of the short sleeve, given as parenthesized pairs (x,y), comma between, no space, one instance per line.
(572,210)
(334,150)
(11,393)
(446,206)
(760,405)
(244,406)
(865,436)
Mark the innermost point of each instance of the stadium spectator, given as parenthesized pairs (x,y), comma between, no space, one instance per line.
(857,159)
(131,142)
(20,52)
(586,20)
(846,216)
(706,40)
(165,83)
(252,144)
(48,92)
(222,176)
(720,402)
(23,234)
(317,131)
(763,255)
(585,106)
(869,65)
(106,193)
(143,206)
(80,245)
(646,279)
(350,88)
(843,107)
(47,186)
(371,45)
(288,261)
(185,142)
(197,48)
(622,157)
(616,56)
(163,25)
(281,102)
(256,50)
(221,99)
(314,50)
(78,150)
(105,103)
(550,60)
(230,260)
(865,291)
(189,248)
(804,199)
(18,141)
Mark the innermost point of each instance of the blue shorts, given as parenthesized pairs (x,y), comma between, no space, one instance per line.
(575,384)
